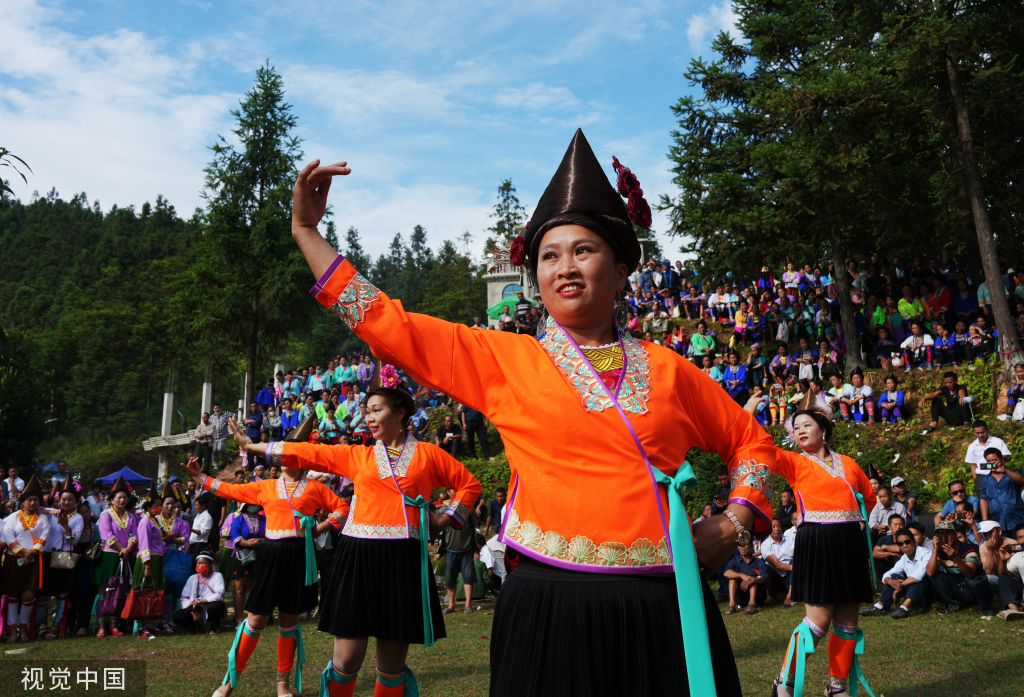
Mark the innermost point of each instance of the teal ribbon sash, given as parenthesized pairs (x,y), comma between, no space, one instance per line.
(231,677)
(856,674)
(412,688)
(308,523)
(867,531)
(331,675)
(803,643)
(425,572)
(300,653)
(689,586)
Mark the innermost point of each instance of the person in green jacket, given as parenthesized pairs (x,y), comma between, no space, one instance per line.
(703,344)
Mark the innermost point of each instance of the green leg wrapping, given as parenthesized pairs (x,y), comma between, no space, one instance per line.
(331,675)
(856,674)
(803,642)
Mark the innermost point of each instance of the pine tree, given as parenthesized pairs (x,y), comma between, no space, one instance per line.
(354,250)
(256,275)
(508,213)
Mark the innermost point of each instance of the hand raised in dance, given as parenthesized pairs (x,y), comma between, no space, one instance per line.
(241,439)
(309,197)
(193,467)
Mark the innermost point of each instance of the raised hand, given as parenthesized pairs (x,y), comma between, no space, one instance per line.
(309,197)
(239,435)
(193,466)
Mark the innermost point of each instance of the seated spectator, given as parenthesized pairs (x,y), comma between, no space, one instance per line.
(962,343)
(1011,577)
(917,348)
(778,403)
(947,402)
(982,341)
(989,538)
(907,579)
(656,321)
(1015,393)
(777,554)
(885,349)
(781,367)
(202,598)
(878,519)
(857,402)
(448,436)
(945,346)
(703,344)
(953,570)
(1000,493)
(920,537)
(827,364)
(957,494)
(748,580)
(891,401)
(787,506)
(330,430)
(886,551)
(757,367)
(903,495)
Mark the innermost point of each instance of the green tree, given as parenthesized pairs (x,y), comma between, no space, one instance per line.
(354,250)
(508,213)
(453,291)
(10,161)
(253,274)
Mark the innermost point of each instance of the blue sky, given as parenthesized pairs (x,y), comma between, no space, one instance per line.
(432,103)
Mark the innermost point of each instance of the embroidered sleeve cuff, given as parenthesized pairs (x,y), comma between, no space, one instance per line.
(457,519)
(274,454)
(322,281)
(144,556)
(111,541)
(212,485)
(15,547)
(39,544)
(334,520)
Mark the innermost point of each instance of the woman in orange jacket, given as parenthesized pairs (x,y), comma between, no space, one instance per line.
(832,568)
(382,584)
(284,575)
(607,594)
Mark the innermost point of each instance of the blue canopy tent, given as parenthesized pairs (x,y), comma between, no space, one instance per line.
(129,476)
(50,468)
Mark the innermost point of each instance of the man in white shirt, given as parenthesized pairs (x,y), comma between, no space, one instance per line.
(790,535)
(777,553)
(199,540)
(13,485)
(908,579)
(202,598)
(976,450)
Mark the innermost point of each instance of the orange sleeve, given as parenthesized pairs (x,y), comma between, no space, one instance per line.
(334,459)
(337,509)
(732,433)
(451,358)
(450,473)
(243,493)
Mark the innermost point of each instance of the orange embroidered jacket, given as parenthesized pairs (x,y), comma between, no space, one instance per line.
(280,509)
(378,509)
(825,488)
(565,441)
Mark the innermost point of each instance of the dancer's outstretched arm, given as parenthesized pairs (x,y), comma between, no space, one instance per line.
(451,358)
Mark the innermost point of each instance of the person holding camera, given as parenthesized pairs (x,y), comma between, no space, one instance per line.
(1011,577)
(1000,492)
(953,571)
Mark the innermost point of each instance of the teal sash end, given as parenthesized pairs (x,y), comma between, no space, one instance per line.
(689,585)
(856,674)
(803,644)
(300,653)
(425,571)
(308,523)
(412,688)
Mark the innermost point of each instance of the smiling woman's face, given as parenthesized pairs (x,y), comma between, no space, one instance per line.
(578,276)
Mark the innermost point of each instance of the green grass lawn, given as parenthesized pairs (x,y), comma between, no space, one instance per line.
(923,656)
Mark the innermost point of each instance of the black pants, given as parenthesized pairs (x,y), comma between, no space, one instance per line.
(215,612)
(452,447)
(952,590)
(477,431)
(919,594)
(204,451)
(1011,590)
(777,583)
(954,416)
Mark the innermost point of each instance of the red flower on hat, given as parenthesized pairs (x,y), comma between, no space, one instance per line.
(638,209)
(629,187)
(517,252)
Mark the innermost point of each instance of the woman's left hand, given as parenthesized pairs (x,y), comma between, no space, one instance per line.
(715,540)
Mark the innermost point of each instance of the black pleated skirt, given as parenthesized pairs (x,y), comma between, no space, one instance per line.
(375,591)
(831,565)
(20,578)
(568,633)
(278,579)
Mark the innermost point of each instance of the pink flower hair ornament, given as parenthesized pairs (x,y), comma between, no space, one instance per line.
(389,377)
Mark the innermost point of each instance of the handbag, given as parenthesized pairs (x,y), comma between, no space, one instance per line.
(116,592)
(177,569)
(144,604)
(245,555)
(64,560)
(94,552)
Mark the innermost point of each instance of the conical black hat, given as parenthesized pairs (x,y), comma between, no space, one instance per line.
(581,189)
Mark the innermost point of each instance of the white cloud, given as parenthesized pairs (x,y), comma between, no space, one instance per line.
(537,96)
(704,26)
(106,113)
